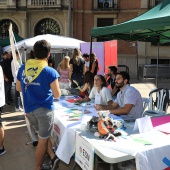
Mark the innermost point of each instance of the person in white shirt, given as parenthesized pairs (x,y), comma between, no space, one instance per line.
(86,57)
(128,103)
(15,67)
(100,93)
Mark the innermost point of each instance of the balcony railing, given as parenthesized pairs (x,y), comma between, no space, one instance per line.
(44,2)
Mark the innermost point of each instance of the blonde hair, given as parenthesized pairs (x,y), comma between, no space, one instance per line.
(76,56)
(65,63)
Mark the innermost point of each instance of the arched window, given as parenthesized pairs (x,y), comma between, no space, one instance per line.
(4,28)
(47,26)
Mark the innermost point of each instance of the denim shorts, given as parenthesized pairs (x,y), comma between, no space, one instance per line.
(41,120)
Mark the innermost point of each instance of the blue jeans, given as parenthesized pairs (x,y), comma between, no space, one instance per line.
(17,98)
(8,95)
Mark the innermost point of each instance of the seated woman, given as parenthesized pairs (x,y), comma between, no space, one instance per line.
(99,92)
(88,83)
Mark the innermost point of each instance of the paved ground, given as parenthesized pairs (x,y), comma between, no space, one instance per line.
(20,156)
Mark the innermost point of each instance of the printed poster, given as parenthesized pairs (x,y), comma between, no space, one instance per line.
(110,54)
(84,154)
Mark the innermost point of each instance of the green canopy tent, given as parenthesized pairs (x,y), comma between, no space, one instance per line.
(152,26)
(5,42)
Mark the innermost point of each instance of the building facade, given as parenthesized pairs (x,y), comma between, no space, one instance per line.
(35,17)
(98,13)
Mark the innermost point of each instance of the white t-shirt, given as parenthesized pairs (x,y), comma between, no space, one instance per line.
(104,94)
(87,63)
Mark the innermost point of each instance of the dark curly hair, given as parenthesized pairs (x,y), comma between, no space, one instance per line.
(89,78)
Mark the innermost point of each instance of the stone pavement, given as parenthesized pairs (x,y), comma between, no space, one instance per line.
(20,156)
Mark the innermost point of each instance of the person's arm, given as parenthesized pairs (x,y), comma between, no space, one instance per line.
(70,71)
(81,89)
(114,108)
(106,107)
(84,69)
(110,102)
(114,90)
(55,89)
(84,87)
(93,67)
(122,110)
(86,99)
(18,86)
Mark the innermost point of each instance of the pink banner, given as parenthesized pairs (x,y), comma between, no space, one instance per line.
(110,54)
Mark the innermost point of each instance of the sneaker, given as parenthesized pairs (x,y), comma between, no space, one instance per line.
(54,163)
(45,167)
(19,109)
(2,151)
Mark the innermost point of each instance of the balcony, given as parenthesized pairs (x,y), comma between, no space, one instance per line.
(45,2)
(35,4)
(105,5)
(32,4)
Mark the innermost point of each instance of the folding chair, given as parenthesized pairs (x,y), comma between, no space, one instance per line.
(145,103)
(158,102)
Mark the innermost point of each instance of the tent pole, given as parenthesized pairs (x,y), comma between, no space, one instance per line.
(137,60)
(157,67)
(91,45)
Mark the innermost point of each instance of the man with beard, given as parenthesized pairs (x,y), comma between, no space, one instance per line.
(110,78)
(128,104)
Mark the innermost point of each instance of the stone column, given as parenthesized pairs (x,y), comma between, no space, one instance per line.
(24,27)
(66,23)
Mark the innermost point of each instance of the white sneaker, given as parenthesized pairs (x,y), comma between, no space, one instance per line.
(19,109)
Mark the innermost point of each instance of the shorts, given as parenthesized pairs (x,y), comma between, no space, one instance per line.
(41,120)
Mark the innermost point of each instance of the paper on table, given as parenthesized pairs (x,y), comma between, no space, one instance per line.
(144,124)
(67,104)
(145,142)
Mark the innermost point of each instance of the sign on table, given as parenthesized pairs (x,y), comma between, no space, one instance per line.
(84,155)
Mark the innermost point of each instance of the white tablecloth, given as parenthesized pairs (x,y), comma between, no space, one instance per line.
(150,149)
(64,131)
